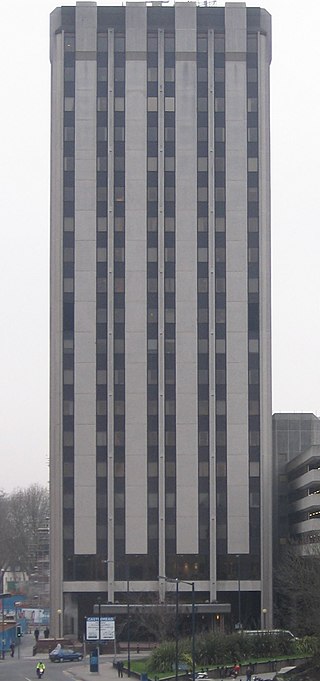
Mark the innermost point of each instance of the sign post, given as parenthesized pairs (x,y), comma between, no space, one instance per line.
(106,629)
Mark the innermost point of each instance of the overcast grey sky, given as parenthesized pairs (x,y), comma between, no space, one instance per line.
(24,219)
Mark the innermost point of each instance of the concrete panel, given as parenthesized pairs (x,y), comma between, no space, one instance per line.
(84,540)
(185,321)
(86,411)
(85,345)
(133,411)
(86,470)
(265,318)
(85,442)
(237,537)
(85,137)
(135,188)
(136,282)
(237,287)
(185,410)
(237,347)
(85,195)
(136,285)
(136,348)
(186,279)
(236,194)
(85,299)
(237,436)
(237,405)
(85,73)
(86,286)
(186,284)
(239,376)
(186,349)
(236,27)
(85,171)
(86,225)
(85,317)
(236,257)
(237,164)
(236,268)
(84,382)
(86,27)
(136,317)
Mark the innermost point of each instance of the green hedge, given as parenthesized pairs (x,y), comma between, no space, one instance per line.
(219,649)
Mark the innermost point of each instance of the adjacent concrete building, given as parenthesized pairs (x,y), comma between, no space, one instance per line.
(296,484)
(161,445)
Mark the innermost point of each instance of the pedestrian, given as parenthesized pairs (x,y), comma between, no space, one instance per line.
(12,647)
(119,668)
(46,632)
(249,671)
(36,634)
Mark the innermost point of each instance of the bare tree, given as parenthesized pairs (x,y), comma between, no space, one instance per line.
(297,589)
(26,511)
(156,619)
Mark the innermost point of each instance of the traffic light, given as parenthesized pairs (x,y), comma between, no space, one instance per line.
(19,632)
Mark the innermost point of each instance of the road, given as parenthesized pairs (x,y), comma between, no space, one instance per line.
(23,666)
(25,670)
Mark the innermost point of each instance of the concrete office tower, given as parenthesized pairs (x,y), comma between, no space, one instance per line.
(161,441)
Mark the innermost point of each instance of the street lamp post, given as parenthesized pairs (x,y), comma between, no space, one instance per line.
(59,613)
(183,581)
(239,593)
(177,630)
(128,622)
(18,633)
(193,635)
(264,613)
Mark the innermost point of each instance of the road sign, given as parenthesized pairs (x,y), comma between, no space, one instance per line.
(107,629)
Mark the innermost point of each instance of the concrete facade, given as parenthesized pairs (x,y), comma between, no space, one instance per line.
(160,306)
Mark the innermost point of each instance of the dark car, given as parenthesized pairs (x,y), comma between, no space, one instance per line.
(65,655)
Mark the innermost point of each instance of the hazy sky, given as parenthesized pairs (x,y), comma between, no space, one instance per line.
(24,219)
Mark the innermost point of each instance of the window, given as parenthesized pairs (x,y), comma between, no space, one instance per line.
(101,407)
(169,104)
(101,377)
(220,345)
(202,164)
(252,134)
(68,376)
(119,103)
(219,104)
(152,104)
(252,75)
(252,104)
(68,134)
(101,438)
(202,104)
(69,103)
(68,285)
(152,163)
(169,74)
(102,73)
(252,164)
(203,408)
(202,194)
(102,104)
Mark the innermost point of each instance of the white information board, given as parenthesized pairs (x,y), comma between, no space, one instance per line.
(107,629)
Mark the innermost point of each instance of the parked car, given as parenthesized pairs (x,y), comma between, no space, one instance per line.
(201,675)
(65,655)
